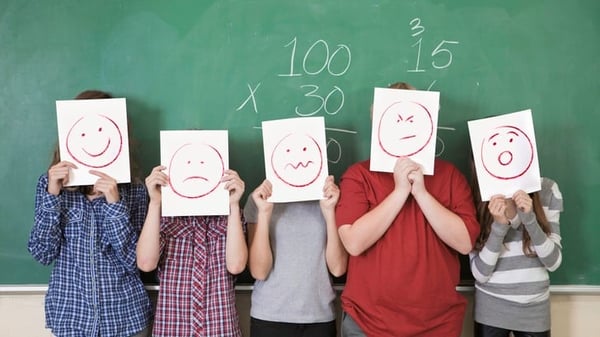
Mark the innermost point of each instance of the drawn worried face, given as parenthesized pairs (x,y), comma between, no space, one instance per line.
(507,152)
(195,170)
(94,141)
(297,160)
(405,128)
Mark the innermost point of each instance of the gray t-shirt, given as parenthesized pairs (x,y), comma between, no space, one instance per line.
(299,288)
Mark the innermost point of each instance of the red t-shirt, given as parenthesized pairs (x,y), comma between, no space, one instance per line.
(405,284)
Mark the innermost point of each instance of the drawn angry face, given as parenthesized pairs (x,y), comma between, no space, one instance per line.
(506,152)
(297,160)
(195,170)
(94,141)
(405,128)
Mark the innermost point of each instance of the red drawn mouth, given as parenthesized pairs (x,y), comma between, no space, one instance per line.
(295,167)
(408,137)
(505,158)
(194,178)
(100,153)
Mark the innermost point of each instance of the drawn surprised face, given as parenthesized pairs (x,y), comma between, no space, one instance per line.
(94,141)
(297,160)
(405,128)
(507,152)
(195,170)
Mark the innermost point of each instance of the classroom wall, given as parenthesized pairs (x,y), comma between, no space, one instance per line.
(573,314)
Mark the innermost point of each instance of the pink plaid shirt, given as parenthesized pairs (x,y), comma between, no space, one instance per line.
(197,294)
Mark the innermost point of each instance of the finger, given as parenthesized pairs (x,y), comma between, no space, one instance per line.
(99,174)
(67,164)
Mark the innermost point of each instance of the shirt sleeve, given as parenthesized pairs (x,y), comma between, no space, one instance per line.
(463,205)
(353,202)
(547,246)
(483,263)
(46,236)
(123,223)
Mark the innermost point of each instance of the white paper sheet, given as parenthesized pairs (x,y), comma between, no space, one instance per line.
(93,135)
(505,154)
(404,125)
(195,162)
(295,154)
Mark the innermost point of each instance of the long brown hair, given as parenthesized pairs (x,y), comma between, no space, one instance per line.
(486,219)
(134,168)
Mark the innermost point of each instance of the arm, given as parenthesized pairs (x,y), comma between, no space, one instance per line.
(335,254)
(124,215)
(46,236)
(448,226)
(370,227)
(483,263)
(548,248)
(260,253)
(148,246)
(236,250)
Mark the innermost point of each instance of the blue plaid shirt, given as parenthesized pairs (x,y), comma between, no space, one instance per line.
(95,287)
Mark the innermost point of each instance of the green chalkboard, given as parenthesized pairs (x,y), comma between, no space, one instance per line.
(231,64)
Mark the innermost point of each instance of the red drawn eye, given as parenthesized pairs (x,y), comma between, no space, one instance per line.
(304,149)
(287,150)
(83,135)
(511,140)
(494,143)
(100,129)
(202,162)
(189,162)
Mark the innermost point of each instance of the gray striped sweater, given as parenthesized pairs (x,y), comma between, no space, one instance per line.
(511,289)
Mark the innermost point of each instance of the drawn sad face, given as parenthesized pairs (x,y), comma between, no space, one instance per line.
(94,141)
(405,128)
(507,152)
(195,170)
(297,160)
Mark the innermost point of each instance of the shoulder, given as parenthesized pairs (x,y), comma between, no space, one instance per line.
(43,179)
(446,170)
(550,194)
(133,188)
(358,169)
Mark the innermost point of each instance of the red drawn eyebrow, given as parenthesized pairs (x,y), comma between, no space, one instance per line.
(492,136)
(409,117)
(514,133)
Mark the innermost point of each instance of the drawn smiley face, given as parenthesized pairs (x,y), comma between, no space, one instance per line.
(94,141)
(507,152)
(405,128)
(297,160)
(195,170)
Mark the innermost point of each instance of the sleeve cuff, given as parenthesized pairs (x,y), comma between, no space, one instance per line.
(527,218)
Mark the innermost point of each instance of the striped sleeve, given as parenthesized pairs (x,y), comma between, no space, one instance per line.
(548,247)
(483,263)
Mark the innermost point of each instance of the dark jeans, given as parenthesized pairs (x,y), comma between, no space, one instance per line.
(482,330)
(260,328)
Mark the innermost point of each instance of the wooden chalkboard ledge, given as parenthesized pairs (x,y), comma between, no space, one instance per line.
(554,289)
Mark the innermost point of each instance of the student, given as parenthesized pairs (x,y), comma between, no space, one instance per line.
(518,245)
(90,233)
(404,231)
(197,258)
(293,248)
